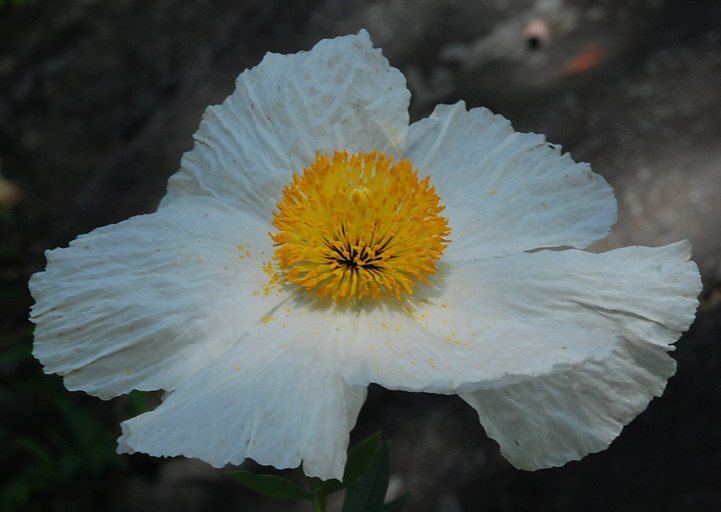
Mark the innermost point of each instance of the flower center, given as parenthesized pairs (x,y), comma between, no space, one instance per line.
(356,226)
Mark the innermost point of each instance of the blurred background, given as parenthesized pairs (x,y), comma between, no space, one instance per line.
(99,98)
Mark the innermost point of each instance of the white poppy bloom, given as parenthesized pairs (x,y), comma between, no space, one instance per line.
(313,243)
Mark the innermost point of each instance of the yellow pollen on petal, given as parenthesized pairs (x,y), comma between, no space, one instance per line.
(356,225)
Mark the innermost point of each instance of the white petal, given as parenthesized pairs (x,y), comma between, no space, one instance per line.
(342,94)
(264,400)
(145,303)
(388,345)
(551,420)
(411,354)
(648,296)
(488,323)
(504,191)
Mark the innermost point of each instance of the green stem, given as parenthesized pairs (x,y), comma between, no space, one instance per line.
(320,499)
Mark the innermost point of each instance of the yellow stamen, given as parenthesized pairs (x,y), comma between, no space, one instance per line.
(356,226)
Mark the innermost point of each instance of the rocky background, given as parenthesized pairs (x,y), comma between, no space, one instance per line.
(99,98)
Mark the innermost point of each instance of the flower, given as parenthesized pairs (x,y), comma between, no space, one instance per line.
(313,243)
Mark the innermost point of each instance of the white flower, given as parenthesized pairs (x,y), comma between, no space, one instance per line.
(266,304)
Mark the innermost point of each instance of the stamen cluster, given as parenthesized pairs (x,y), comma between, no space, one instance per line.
(356,226)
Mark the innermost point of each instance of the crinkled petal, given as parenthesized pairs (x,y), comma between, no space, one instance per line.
(648,297)
(145,303)
(505,191)
(265,400)
(551,420)
(489,323)
(342,94)
(398,346)
(403,351)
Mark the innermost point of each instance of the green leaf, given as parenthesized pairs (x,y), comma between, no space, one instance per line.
(271,485)
(398,504)
(368,492)
(360,458)
(330,486)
